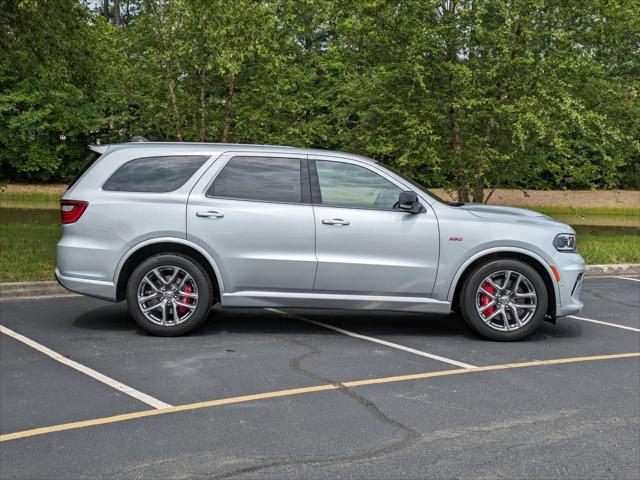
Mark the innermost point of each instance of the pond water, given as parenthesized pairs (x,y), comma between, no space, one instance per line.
(29,215)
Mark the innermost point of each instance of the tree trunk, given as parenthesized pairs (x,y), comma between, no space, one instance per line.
(486,200)
(170,83)
(449,19)
(228,111)
(456,145)
(478,189)
(203,86)
(105,9)
(174,104)
(116,12)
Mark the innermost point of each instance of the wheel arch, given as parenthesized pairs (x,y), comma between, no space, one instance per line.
(535,262)
(165,245)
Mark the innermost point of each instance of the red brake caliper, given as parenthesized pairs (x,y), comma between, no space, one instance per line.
(187,289)
(485,300)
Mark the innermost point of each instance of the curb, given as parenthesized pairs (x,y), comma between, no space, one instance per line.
(615,269)
(16,290)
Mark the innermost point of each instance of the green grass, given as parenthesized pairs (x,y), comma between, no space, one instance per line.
(28,251)
(604,244)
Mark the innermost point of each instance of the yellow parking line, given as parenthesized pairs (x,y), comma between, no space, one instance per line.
(299,391)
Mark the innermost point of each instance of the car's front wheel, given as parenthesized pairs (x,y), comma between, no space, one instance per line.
(504,300)
(169,294)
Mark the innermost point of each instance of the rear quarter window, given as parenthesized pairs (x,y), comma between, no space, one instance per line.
(154,174)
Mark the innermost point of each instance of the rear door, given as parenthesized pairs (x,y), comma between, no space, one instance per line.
(252,213)
(363,245)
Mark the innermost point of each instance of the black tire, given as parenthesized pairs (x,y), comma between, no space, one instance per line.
(203,288)
(467,300)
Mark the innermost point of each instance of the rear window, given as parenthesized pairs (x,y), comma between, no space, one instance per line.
(269,179)
(154,174)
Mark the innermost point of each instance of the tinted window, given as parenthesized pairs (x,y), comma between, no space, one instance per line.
(347,185)
(154,174)
(259,178)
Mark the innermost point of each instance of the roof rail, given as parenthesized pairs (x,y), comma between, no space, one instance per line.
(138,138)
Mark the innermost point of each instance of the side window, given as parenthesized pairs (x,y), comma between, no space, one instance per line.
(269,179)
(154,174)
(348,185)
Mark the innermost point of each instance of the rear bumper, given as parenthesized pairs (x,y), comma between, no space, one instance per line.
(89,287)
(571,270)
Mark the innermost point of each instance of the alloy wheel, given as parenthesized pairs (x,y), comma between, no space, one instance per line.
(506,300)
(167,295)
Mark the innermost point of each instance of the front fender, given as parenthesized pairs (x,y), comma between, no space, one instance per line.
(452,282)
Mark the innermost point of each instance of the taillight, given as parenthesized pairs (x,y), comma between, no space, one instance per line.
(72,210)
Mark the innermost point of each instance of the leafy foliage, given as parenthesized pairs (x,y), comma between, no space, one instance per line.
(463,94)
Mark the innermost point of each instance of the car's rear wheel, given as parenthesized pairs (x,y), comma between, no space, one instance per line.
(504,300)
(169,294)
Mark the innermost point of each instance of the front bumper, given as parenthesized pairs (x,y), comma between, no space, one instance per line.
(571,269)
(89,287)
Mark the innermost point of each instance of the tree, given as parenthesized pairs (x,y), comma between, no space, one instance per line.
(463,94)
(47,75)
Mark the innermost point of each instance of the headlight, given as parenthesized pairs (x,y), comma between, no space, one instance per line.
(565,242)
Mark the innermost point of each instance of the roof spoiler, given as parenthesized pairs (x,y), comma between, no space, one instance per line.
(99,148)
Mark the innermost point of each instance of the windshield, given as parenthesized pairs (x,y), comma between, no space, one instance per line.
(421,187)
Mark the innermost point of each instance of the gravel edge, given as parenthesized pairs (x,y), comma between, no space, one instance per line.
(17,290)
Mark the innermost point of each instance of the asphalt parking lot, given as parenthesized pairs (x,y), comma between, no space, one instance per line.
(319,394)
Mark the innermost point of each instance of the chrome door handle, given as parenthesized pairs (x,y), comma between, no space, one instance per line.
(335,221)
(210,214)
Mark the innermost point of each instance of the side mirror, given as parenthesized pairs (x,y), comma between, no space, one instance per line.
(408,202)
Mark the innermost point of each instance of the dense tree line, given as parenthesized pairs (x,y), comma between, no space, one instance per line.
(465,94)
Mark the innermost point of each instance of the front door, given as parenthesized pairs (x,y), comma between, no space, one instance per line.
(363,245)
(253,215)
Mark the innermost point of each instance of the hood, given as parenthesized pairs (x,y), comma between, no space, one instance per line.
(514,215)
(480,209)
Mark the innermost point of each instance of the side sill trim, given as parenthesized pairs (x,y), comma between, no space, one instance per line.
(328,300)
(333,296)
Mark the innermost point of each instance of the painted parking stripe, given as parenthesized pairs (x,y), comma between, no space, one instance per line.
(624,327)
(304,390)
(121,387)
(374,340)
(629,278)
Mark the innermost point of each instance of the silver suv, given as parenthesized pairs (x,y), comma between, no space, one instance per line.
(175,228)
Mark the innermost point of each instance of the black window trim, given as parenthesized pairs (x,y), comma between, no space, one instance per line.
(193,175)
(305,192)
(317,196)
